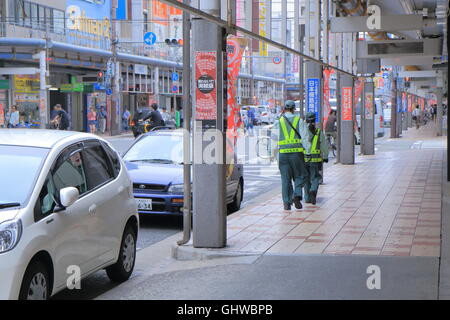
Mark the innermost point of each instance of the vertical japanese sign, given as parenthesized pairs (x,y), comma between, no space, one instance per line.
(404,102)
(368,103)
(2,115)
(410,104)
(206,89)
(313,94)
(326,95)
(347,110)
(263,48)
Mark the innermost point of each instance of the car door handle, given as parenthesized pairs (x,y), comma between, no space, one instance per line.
(93,209)
(49,221)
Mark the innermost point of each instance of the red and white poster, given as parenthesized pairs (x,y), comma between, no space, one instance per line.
(326,94)
(2,115)
(410,105)
(235,51)
(206,85)
(347,110)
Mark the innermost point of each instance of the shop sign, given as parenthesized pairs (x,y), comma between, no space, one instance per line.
(4,84)
(66,87)
(26,83)
(313,92)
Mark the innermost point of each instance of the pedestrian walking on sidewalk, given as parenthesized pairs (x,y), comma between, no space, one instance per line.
(292,130)
(92,120)
(416,116)
(102,116)
(315,155)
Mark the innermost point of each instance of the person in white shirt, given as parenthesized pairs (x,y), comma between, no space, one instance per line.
(14,117)
(416,116)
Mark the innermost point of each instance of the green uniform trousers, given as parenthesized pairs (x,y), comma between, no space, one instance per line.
(313,178)
(292,169)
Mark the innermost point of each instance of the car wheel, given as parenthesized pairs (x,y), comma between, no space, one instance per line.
(123,268)
(237,200)
(35,283)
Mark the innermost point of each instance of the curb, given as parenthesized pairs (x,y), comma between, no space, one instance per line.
(189,253)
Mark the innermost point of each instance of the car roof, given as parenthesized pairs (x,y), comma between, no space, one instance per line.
(41,138)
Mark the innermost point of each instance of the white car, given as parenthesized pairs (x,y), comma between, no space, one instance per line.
(66,211)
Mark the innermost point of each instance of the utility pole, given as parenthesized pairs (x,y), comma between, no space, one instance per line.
(187,108)
(210,65)
(114,113)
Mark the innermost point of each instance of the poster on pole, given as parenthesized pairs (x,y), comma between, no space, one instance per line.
(206,86)
(369,105)
(347,110)
(313,94)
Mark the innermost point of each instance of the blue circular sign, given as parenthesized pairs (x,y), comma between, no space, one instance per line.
(174,88)
(108,92)
(175,76)
(150,38)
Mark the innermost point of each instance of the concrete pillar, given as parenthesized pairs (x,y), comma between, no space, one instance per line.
(368,122)
(347,129)
(399,113)
(209,192)
(439,114)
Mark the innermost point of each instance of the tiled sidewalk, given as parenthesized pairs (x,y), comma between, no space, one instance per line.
(386,204)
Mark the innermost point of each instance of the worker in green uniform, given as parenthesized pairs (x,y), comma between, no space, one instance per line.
(316,154)
(290,131)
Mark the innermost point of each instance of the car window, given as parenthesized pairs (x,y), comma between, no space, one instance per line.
(97,165)
(67,172)
(114,158)
(71,173)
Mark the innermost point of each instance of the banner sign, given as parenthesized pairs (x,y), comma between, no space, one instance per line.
(347,110)
(313,94)
(205,85)
(410,104)
(326,95)
(404,102)
(369,105)
(2,115)
(263,47)
(235,52)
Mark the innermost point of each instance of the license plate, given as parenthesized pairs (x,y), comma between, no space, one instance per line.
(144,204)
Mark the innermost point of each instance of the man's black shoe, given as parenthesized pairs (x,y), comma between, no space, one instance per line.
(287,206)
(298,203)
(312,196)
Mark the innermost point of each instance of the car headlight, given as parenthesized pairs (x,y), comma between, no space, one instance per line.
(177,188)
(10,233)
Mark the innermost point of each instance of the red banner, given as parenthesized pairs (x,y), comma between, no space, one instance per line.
(347,110)
(359,87)
(206,88)
(2,115)
(326,95)
(410,105)
(235,51)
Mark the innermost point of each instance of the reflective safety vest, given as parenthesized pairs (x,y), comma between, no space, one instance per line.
(315,154)
(289,142)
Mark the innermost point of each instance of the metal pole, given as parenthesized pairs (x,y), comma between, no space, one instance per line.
(43,100)
(114,117)
(187,106)
(339,118)
(394,108)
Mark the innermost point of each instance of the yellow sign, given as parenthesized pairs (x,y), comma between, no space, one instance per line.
(263,47)
(26,83)
(77,21)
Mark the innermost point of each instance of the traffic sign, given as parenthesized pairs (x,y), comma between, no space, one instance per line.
(175,76)
(276,60)
(385,75)
(108,92)
(174,88)
(150,38)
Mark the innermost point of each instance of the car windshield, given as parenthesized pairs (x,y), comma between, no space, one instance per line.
(19,168)
(166,149)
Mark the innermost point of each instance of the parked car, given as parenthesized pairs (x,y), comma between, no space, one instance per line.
(154,162)
(266,115)
(66,204)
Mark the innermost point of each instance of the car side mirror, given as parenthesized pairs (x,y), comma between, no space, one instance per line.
(68,196)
